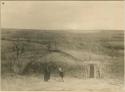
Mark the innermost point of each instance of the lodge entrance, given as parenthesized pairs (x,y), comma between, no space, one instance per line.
(91,75)
(92,69)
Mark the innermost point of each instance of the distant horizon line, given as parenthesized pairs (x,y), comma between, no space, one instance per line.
(65,29)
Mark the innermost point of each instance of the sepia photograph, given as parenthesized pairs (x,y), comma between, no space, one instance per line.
(62,46)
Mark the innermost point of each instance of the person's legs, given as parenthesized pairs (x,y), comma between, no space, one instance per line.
(61,75)
(62,79)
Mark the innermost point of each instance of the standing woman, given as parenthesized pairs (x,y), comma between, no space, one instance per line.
(61,72)
(46,72)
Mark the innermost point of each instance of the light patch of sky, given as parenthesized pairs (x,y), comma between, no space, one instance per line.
(63,15)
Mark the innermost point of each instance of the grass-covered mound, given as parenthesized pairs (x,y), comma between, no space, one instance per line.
(70,64)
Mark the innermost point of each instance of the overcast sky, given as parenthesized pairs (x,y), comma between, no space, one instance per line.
(77,15)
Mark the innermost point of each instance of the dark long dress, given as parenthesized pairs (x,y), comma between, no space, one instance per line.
(46,73)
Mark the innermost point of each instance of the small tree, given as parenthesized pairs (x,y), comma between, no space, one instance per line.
(18,49)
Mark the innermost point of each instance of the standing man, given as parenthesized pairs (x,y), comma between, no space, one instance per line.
(61,72)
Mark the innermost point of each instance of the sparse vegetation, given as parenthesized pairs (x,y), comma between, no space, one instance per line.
(27,50)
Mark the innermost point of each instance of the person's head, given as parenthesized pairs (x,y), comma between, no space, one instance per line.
(60,66)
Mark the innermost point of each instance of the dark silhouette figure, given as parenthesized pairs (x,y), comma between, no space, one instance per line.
(46,72)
